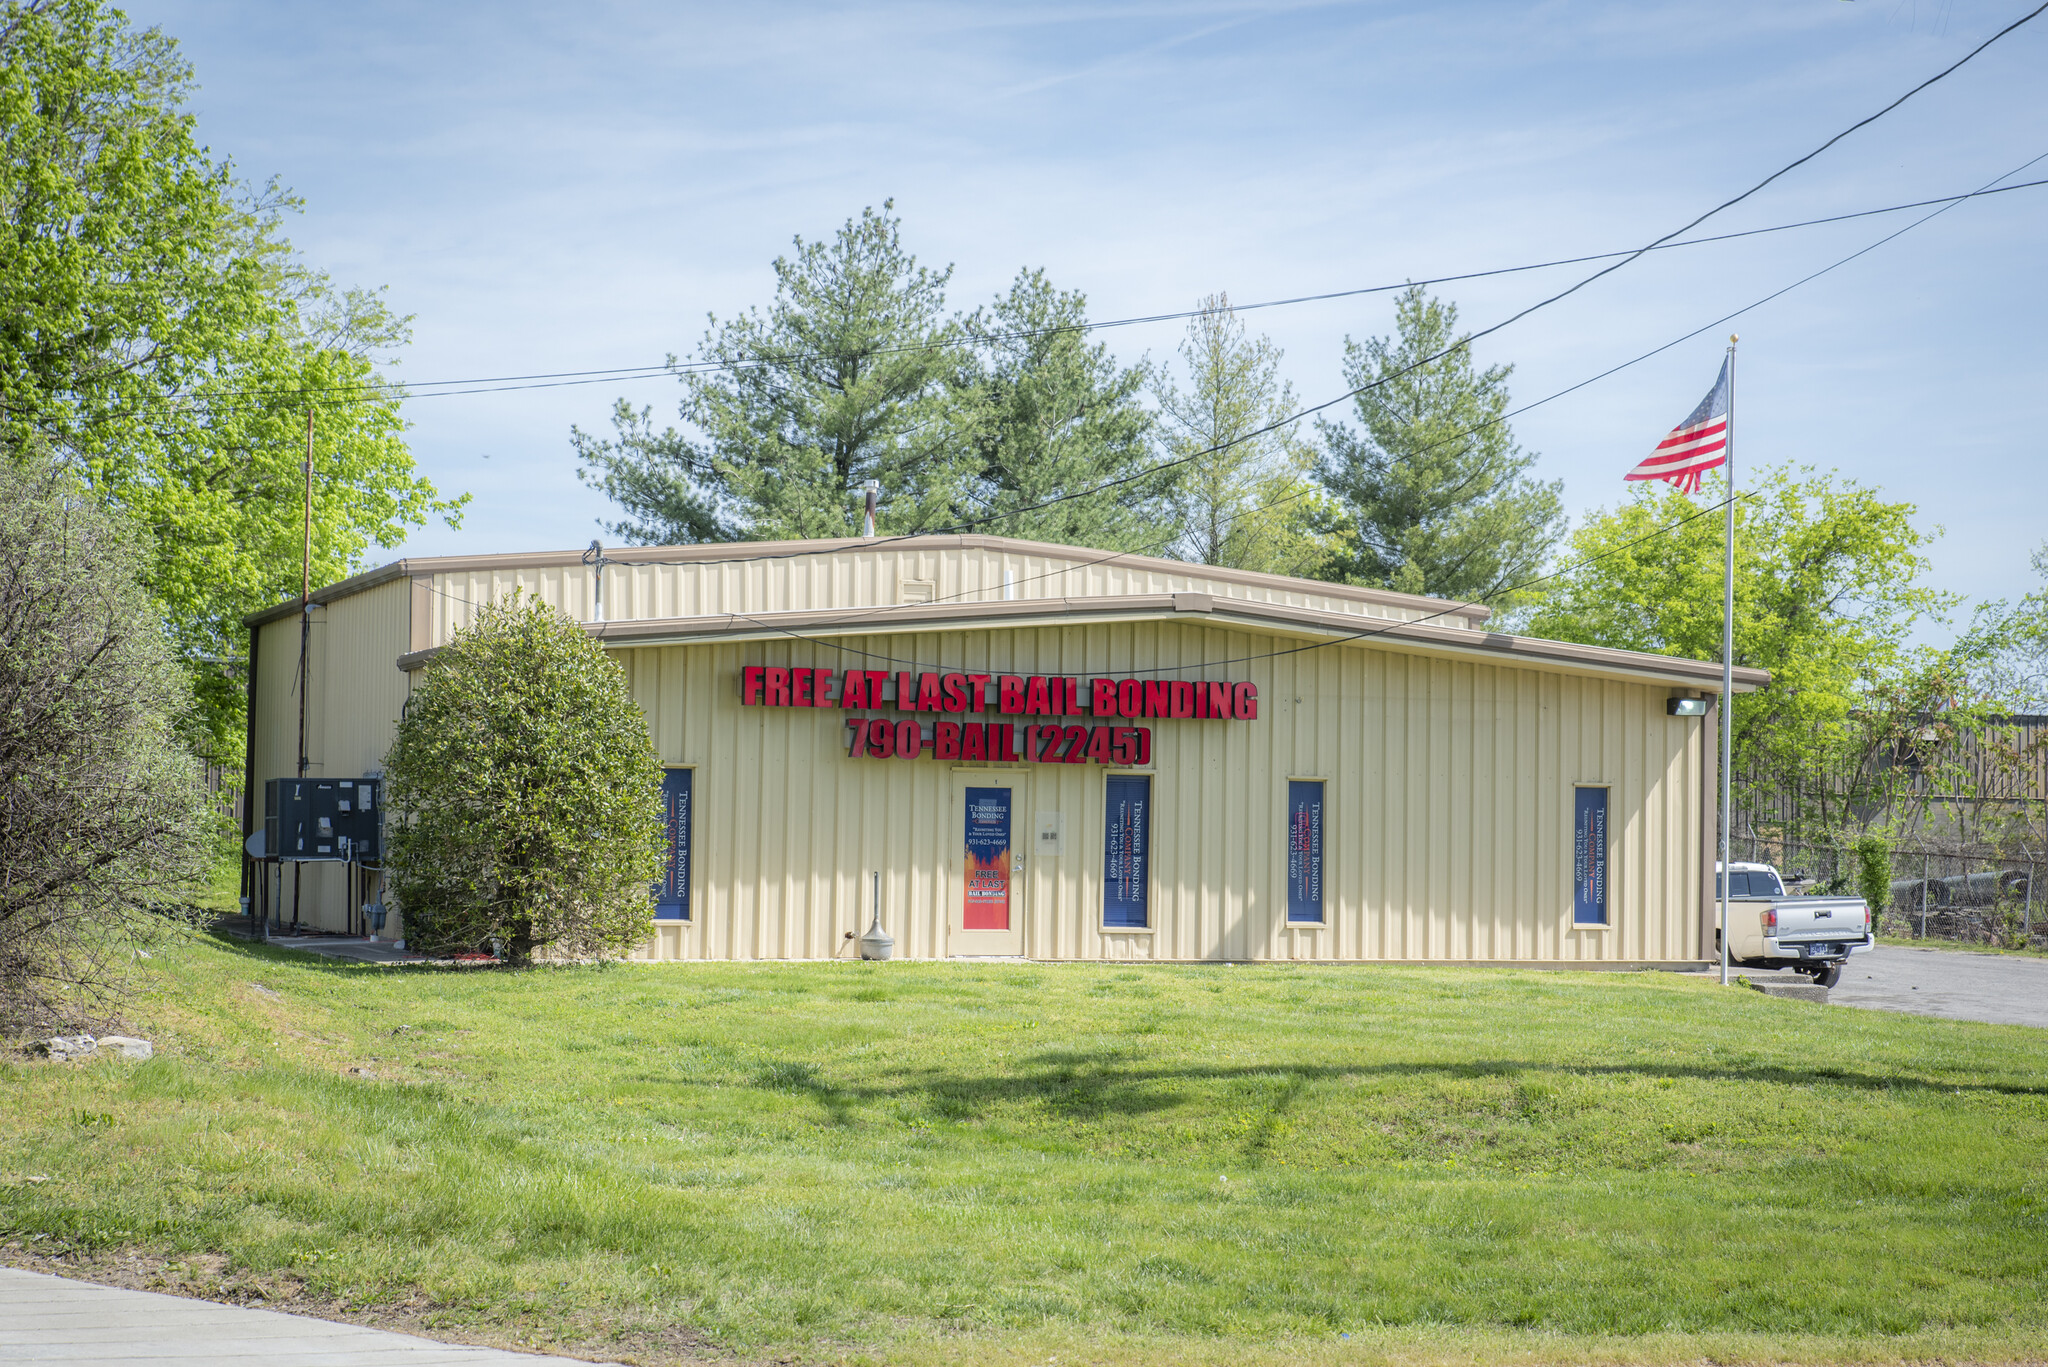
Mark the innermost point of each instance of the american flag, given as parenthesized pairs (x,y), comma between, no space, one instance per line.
(1695,446)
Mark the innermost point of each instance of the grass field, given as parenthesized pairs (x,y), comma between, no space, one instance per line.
(1016,1163)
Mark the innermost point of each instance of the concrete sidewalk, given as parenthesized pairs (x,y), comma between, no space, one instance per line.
(46,1319)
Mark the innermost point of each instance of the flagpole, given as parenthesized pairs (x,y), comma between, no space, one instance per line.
(1728,668)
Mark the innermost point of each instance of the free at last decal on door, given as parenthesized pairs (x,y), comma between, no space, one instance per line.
(985,909)
(985,889)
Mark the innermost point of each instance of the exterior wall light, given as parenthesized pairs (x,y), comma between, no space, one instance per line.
(1687,707)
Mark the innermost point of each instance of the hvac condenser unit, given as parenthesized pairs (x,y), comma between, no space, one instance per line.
(323,819)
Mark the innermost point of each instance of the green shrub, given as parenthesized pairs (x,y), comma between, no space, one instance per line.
(101,825)
(525,792)
(1873,855)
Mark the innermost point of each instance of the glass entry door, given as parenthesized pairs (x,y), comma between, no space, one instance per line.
(985,894)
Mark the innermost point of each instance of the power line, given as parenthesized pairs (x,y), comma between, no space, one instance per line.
(371,391)
(1946,203)
(1451,608)
(1386,379)
(1631,257)
(1469,338)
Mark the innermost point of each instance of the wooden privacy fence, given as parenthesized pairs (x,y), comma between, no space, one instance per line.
(223,790)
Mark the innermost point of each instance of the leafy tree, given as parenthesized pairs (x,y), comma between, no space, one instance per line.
(100,816)
(852,374)
(1052,419)
(1434,494)
(2010,641)
(526,793)
(159,337)
(1828,586)
(1241,495)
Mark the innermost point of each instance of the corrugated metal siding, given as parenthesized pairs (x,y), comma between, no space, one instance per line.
(1449,816)
(858,578)
(352,709)
(274,733)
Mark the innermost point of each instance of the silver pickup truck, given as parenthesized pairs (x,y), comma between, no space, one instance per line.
(1767,929)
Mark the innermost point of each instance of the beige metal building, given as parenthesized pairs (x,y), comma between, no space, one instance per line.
(1343,774)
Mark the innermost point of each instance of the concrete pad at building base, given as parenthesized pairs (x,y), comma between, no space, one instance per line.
(45,1319)
(356,950)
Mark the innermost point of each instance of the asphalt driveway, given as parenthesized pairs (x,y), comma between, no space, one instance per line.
(2002,988)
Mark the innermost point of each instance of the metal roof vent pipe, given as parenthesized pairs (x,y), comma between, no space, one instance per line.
(597,560)
(867,522)
(877,943)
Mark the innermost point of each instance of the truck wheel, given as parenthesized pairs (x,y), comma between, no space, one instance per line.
(1827,975)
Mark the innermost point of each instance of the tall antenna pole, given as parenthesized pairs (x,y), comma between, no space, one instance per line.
(1728,669)
(305,634)
(306,592)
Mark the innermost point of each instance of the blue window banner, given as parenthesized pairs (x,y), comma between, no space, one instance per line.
(1589,857)
(1304,850)
(672,894)
(1127,851)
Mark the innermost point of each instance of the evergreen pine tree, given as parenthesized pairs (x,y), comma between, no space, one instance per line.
(1433,495)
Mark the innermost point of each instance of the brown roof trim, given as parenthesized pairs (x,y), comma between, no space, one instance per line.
(1028,612)
(354,584)
(740,551)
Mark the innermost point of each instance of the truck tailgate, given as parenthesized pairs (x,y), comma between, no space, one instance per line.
(1820,918)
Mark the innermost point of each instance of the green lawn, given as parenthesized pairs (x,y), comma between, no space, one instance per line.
(1010,1163)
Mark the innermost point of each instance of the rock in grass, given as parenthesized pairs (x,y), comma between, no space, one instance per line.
(64,1047)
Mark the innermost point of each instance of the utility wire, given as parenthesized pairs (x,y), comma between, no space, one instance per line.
(1525,312)
(1494,591)
(1946,204)
(1572,289)
(371,391)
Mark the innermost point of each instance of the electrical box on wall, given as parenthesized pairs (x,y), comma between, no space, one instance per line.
(316,819)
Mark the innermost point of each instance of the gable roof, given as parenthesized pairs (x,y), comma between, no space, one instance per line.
(1469,614)
(1315,627)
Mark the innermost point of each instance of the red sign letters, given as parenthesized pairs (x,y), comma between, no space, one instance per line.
(1004,695)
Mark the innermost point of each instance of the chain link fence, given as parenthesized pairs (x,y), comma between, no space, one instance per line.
(1985,899)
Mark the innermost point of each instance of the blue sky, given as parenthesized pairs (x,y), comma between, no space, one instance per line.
(552,188)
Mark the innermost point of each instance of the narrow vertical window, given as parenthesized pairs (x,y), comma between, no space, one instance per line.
(986,889)
(672,896)
(1127,851)
(1589,857)
(1305,850)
